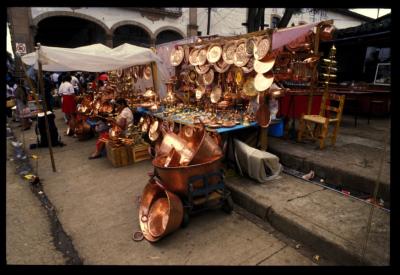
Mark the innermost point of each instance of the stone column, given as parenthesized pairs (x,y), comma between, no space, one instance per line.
(22,30)
(109,40)
(192,27)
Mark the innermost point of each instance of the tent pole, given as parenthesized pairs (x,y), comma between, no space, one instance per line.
(41,87)
(154,77)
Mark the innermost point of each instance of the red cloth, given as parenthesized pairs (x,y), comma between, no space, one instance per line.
(68,104)
(293,106)
(98,142)
(103,77)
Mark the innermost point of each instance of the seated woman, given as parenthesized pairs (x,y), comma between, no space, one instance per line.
(123,120)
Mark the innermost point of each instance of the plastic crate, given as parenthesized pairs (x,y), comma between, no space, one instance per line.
(276,129)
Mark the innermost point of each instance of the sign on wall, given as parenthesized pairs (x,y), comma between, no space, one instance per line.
(20,48)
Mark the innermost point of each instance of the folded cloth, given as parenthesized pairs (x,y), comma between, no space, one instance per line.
(259,165)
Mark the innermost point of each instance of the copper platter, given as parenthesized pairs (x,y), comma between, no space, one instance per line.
(214,53)
(264,65)
(263,82)
(262,47)
(221,66)
(177,55)
(240,57)
(202,69)
(193,57)
(208,77)
(202,56)
(229,52)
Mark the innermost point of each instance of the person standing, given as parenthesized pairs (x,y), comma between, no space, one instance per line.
(54,78)
(66,90)
(48,87)
(75,84)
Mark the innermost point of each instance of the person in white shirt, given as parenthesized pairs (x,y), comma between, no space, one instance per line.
(123,120)
(66,90)
(75,84)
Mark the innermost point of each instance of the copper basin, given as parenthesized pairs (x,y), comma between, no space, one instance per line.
(175,179)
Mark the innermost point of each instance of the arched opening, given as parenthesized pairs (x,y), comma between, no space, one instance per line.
(168,36)
(68,32)
(131,34)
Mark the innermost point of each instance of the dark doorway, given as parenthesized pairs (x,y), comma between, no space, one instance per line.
(168,36)
(68,32)
(131,34)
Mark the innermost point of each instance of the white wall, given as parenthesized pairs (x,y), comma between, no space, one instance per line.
(224,21)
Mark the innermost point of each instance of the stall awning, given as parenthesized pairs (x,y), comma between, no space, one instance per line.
(283,37)
(95,58)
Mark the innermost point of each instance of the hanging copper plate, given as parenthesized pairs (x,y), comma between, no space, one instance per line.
(229,52)
(202,69)
(221,66)
(262,48)
(202,57)
(263,82)
(208,77)
(216,93)
(193,57)
(250,42)
(177,55)
(239,76)
(240,57)
(264,65)
(248,87)
(192,76)
(249,66)
(214,53)
(153,131)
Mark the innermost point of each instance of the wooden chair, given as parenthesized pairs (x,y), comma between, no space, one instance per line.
(328,114)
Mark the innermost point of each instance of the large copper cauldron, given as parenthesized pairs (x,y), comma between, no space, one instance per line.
(160,212)
(175,179)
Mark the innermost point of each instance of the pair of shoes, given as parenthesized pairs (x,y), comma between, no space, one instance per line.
(95,157)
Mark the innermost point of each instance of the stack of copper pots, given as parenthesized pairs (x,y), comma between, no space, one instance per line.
(190,152)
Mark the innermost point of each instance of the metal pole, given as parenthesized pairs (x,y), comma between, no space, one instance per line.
(208,21)
(41,87)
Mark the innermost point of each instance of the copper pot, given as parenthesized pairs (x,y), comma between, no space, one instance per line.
(175,179)
(165,215)
(171,140)
(160,212)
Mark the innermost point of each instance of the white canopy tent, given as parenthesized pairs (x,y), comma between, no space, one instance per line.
(97,58)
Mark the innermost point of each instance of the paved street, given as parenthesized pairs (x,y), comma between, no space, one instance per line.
(97,206)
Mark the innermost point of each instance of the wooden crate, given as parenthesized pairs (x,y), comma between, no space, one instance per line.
(140,152)
(119,156)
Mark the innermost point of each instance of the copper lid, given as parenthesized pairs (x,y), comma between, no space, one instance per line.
(248,87)
(202,56)
(221,66)
(240,58)
(202,69)
(193,57)
(264,65)
(261,48)
(208,77)
(263,82)
(214,53)
(177,55)
(229,52)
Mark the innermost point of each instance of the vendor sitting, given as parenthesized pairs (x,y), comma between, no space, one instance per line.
(123,120)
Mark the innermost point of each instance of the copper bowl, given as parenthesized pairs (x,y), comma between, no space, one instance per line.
(176,179)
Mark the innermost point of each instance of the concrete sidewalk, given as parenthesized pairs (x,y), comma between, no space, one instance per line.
(97,205)
(352,163)
(319,217)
